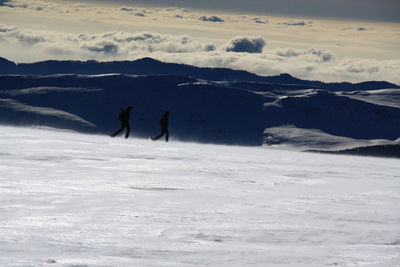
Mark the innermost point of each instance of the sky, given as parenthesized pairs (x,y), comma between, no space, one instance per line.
(329,40)
(379,10)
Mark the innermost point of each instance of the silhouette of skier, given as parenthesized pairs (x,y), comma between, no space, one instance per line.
(124,119)
(164,127)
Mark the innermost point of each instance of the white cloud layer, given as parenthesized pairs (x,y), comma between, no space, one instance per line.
(245,52)
(108,45)
(311,54)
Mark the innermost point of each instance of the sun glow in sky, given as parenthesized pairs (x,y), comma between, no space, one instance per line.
(310,41)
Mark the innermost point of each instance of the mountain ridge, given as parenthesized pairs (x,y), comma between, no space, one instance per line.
(150,66)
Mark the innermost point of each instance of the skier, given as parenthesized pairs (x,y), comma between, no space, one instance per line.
(124,119)
(164,127)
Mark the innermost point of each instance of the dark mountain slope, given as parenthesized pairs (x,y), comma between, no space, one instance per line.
(149,66)
(336,115)
(201,112)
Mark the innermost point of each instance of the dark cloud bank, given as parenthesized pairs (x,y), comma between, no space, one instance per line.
(246,44)
(211,19)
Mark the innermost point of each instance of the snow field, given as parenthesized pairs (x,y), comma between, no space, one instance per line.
(71,199)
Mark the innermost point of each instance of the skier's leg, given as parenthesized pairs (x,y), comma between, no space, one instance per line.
(158,136)
(166,135)
(118,131)
(128,130)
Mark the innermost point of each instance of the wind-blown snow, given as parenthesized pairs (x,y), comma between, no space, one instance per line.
(45,90)
(292,138)
(385,97)
(69,199)
(20,107)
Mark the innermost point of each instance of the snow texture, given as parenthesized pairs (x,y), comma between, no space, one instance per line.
(293,138)
(70,199)
(385,97)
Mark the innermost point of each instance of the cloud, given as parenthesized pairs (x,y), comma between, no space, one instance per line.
(29,38)
(209,47)
(134,11)
(4,2)
(246,44)
(102,47)
(128,9)
(109,44)
(305,64)
(309,63)
(12,33)
(316,54)
(261,21)
(6,28)
(176,9)
(360,28)
(297,23)
(211,19)
(36,5)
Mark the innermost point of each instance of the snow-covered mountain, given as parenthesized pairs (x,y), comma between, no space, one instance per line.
(207,105)
(149,66)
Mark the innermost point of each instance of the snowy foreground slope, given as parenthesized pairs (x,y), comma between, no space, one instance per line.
(71,199)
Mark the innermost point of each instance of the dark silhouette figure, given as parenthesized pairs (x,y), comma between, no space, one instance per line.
(124,119)
(164,127)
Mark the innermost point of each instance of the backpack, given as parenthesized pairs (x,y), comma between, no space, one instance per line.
(121,114)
